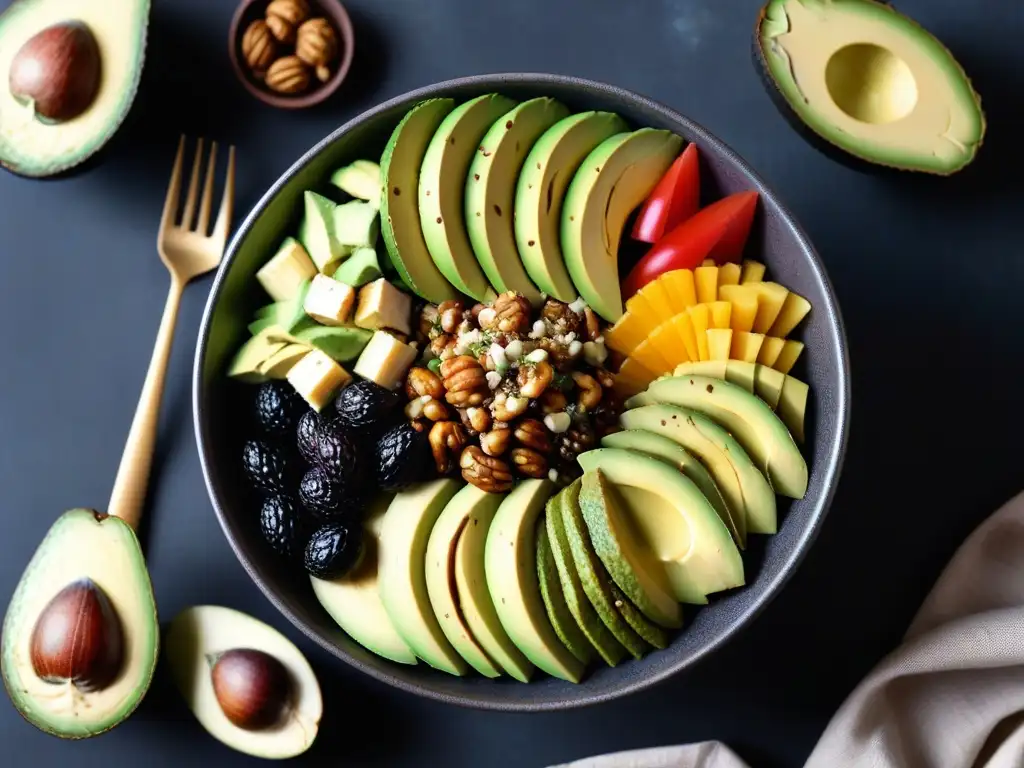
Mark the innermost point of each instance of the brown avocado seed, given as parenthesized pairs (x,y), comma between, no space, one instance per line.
(57,71)
(78,639)
(252,687)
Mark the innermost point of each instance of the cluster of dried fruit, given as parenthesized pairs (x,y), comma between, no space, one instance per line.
(289,46)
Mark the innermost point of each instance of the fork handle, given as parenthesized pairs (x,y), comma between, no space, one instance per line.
(129,494)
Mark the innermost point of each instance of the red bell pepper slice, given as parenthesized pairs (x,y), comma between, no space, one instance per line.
(719,232)
(674,200)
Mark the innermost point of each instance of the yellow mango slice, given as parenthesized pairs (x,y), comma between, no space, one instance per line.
(628,331)
(794,309)
(649,317)
(650,358)
(745,346)
(679,285)
(708,263)
(719,343)
(701,319)
(744,300)
(706,279)
(721,313)
(669,345)
(770,349)
(632,378)
(657,296)
(752,272)
(791,350)
(684,329)
(728,274)
(771,297)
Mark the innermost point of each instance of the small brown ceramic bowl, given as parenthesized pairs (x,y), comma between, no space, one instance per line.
(250,10)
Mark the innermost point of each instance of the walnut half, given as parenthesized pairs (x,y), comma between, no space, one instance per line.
(485,472)
(447,439)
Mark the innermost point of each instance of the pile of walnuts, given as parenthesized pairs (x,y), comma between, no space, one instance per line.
(289,46)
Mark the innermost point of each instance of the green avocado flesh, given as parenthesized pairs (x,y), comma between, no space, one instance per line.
(871,82)
(31,146)
(491,187)
(612,181)
(442,188)
(399,202)
(82,547)
(540,191)
(554,600)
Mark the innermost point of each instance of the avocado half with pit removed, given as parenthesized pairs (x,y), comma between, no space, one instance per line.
(868,86)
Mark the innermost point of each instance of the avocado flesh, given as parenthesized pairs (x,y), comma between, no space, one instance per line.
(610,183)
(399,202)
(593,576)
(872,82)
(491,187)
(82,544)
(441,586)
(201,633)
(30,147)
(540,192)
(579,604)
(647,629)
(471,585)
(673,454)
(403,581)
(674,519)
(510,564)
(554,600)
(761,433)
(741,483)
(442,188)
(354,602)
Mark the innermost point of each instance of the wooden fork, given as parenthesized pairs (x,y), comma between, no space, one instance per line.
(187,251)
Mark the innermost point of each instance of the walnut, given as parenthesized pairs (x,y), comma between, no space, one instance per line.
(477,419)
(592,325)
(496,442)
(316,42)
(604,377)
(553,400)
(465,381)
(533,379)
(529,462)
(423,381)
(428,326)
(450,314)
(531,433)
(474,312)
(282,29)
(559,318)
(590,390)
(576,440)
(288,75)
(258,46)
(506,408)
(443,346)
(428,408)
(447,439)
(283,16)
(485,472)
(511,314)
(558,354)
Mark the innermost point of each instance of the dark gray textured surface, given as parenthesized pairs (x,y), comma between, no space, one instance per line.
(928,274)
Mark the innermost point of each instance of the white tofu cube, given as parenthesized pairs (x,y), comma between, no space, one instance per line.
(385,360)
(381,305)
(317,378)
(289,268)
(328,301)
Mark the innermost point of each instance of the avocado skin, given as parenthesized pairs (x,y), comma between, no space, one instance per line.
(554,599)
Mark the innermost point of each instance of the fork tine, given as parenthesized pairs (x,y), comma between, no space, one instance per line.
(173,189)
(193,187)
(223,223)
(203,224)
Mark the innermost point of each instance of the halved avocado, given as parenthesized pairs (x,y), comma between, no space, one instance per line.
(31,145)
(610,183)
(491,188)
(858,77)
(546,174)
(88,575)
(442,189)
(399,202)
(554,600)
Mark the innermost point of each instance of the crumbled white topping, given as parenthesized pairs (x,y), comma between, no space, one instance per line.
(553,475)
(414,409)
(486,316)
(514,350)
(425,398)
(472,336)
(430,313)
(594,353)
(512,404)
(493,379)
(575,348)
(569,338)
(557,422)
(537,356)
(600,339)
(538,330)
(497,354)
(578,306)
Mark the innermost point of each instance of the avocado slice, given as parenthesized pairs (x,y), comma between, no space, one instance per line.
(441,586)
(471,585)
(491,189)
(594,577)
(361,179)
(865,83)
(360,268)
(196,640)
(343,342)
(88,572)
(549,167)
(740,482)
(399,202)
(761,433)
(245,365)
(767,382)
(356,225)
(611,182)
(554,599)
(30,144)
(579,604)
(675,519)
(648,630)
(278,364)
(673,454)
(354,601)
(403,580)
(510,564)
(793,406)
(317,231)
(442,190)
(627,560)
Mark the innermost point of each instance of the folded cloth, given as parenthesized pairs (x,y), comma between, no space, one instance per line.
(950,696)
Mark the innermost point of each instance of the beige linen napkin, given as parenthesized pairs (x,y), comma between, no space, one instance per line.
(950,696)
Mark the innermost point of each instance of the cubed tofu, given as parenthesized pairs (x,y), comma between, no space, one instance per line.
(381,305)
(285,273)
(385,360)
(328,301)
(318,379)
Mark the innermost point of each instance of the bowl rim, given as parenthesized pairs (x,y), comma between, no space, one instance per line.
(578,696)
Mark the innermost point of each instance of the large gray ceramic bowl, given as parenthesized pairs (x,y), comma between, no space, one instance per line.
(777,239)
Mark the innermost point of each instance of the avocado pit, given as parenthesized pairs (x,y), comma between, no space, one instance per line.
(871,83)
(57,72)
(252,688)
